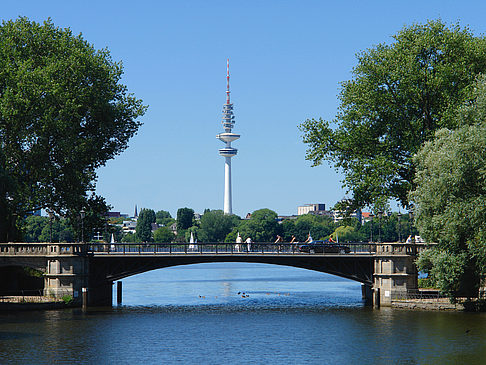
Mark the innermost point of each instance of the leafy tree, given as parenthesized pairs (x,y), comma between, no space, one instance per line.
(261,227)
(347,234)
(33,227)
(130,238)
(59,229)
(144,225)
(185,217)
(164,218)
(163,235)
(450,200)
(215,226)
(400,94)
(63,114)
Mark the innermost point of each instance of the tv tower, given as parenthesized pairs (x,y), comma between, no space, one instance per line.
(227,137)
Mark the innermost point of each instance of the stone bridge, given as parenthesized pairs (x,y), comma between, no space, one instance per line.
(71,268)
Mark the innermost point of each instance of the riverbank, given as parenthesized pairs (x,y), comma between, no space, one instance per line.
(27,303)
(441,304)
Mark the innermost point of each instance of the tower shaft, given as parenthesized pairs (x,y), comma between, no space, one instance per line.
(228,208)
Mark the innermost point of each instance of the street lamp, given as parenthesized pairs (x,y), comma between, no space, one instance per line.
(410,219)
(399,227)
(51,215)
(82,213)
(371,221)
(380,215)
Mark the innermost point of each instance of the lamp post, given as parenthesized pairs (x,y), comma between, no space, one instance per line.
(380,215)
(371,230)
(399,227)
(410,219)
(82,213)
(51,215)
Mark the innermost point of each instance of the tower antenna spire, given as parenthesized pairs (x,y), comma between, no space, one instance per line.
(227,82)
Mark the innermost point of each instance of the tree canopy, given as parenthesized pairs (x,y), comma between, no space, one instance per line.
(63,114)
(144,225)
(400,94)
(185,217)
(450,200)
(261,227)
(215,226)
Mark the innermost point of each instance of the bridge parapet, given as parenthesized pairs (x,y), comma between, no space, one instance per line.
(41,249)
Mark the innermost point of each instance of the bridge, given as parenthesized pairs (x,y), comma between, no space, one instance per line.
(384,269)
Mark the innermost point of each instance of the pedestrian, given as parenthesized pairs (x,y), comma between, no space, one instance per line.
(248,242)
(239,241)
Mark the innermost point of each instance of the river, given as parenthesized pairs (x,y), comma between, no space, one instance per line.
(232,313)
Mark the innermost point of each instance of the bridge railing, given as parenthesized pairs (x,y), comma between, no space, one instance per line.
(41,249)
(418,294)
(222,248)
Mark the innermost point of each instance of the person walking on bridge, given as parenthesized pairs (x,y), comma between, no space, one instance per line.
(248,242)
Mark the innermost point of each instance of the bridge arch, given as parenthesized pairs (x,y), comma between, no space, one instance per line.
(110,269)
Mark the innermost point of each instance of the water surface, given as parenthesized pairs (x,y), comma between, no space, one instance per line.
(194,314)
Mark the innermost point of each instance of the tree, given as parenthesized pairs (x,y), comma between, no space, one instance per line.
(58,230)
(347,234)
(33,227)
(162,214)
(63,114)
(450,200)
(144,225)
(215,226)
(261,227)
(164,218)
(400,94)
(185,217)
(163,235)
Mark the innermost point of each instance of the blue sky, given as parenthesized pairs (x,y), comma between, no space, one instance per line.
(287,61)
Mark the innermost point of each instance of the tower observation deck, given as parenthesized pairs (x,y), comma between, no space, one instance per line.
(227,151)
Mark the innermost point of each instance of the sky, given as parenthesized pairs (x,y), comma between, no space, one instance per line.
(287,60)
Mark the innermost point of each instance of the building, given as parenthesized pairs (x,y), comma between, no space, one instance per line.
(312,208)
(228,151)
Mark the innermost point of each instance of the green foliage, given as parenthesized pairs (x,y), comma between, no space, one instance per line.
(231,237)
(348,234)
(320,227)
(63,115)
(67,299)
(450,272)
(215,226)
(400,94)
(450,198)
(166,222)
(163,235)
(33,272)
(261,227)
(130,238)
(144,225)
(162,214)
(425,283)
(33,227)
(185,217)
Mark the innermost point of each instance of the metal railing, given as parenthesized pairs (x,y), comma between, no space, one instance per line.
(418,294)
(255,248)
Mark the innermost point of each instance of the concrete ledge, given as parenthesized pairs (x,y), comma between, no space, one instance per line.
(427,304)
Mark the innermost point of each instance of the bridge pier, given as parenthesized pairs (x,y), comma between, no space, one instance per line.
(395,272)
(66,271)
(367,293)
